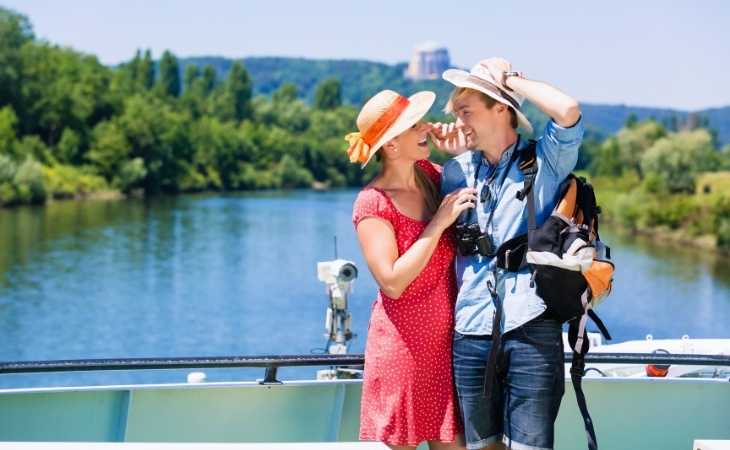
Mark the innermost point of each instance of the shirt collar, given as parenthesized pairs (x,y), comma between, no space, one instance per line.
(478,155)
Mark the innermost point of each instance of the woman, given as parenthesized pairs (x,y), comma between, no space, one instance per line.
(403,227)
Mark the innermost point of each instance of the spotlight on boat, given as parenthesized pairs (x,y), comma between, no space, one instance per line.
(343,271)
(339,276)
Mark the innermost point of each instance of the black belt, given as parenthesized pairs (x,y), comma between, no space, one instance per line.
(545,315)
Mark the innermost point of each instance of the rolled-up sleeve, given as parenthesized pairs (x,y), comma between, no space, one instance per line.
(559,147)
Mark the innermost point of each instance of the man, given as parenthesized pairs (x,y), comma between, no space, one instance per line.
(515,403)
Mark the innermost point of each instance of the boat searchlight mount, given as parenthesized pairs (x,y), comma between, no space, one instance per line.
(339,276)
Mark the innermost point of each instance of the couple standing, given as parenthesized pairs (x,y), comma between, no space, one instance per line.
(436,320)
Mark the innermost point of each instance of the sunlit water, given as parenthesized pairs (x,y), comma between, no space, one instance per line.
(236,275)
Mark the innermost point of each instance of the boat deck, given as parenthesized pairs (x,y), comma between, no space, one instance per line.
(190,446)
(661,413)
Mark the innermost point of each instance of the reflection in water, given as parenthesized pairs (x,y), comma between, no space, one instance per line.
(666,290)
(236,275)
(678,257)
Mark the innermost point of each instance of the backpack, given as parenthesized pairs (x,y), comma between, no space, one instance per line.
(569,265)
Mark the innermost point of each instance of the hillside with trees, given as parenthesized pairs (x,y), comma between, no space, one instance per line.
(71,127)
(361,79)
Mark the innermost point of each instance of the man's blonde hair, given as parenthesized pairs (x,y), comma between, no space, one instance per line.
(460,93)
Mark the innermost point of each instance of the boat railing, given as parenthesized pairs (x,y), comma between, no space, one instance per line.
(272,363)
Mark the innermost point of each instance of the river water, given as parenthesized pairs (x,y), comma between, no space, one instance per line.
(236,275)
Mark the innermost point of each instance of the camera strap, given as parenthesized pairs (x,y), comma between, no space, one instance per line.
(513,157)
(496,336)
(497,319)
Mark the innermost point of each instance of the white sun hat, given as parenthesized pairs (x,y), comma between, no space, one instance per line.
(386,115)
(481,80)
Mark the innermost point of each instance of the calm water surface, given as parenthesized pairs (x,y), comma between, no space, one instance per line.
(233,275)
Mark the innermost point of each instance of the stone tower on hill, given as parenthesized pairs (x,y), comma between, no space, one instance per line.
(428,62)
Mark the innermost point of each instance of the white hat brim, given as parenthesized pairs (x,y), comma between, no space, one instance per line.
(460,78)
(419,105)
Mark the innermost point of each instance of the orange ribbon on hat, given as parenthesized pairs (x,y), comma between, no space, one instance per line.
(360,143)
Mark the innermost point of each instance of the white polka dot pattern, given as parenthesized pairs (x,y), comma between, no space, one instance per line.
(408,394)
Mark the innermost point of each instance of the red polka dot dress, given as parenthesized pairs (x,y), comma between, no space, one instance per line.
(408,393)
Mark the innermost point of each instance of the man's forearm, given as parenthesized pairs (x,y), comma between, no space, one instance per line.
(562,108)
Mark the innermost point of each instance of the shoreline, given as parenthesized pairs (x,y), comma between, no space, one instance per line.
(676,237)
(661,234)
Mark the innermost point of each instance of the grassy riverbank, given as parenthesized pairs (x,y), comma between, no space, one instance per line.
(700,219)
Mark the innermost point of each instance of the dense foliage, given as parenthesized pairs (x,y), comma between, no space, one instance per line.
(70,126)
(649,179)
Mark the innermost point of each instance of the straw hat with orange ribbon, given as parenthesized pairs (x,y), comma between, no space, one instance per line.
(384,117)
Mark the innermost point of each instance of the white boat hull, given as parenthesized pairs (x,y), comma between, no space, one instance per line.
(628,413)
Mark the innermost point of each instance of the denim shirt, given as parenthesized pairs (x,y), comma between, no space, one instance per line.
(557,153)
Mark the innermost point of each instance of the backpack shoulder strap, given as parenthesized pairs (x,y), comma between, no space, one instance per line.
(527,162)
(585,203)
(528,165)
(577,371)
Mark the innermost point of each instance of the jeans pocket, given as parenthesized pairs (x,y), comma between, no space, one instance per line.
(543,332)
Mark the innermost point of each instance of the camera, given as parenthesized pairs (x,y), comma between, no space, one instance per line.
(343,271)
(472,241)
(339,275)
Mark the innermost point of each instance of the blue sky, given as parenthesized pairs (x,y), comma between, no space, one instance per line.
(654,53)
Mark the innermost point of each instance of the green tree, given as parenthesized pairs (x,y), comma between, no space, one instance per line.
(193,97)
(609,162)
(168,83)
(327,158)
(33,147)
(67,150)
(63,89)
(327,95)
(131,174)
(8,167)
(191,74)
(28,181)
(142,71)
(208,79)
(235,102)
(679,157)
(109,149)
(285,110)
(590,150)
(66,181)
(286,93)
(15,32)
(8,129)
(725,158)
(635,141)
(291,174)
(218,155)
(159,134)
(631,121)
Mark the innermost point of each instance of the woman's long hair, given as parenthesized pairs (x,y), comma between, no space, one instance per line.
(430,191)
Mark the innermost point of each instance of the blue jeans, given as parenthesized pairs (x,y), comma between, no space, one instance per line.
(528,385)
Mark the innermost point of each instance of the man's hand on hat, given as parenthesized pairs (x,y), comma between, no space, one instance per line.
(447,138)
(496,66)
